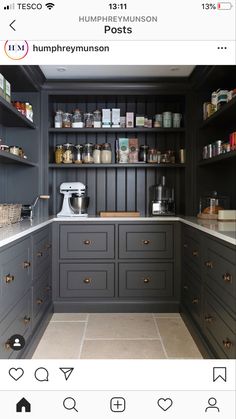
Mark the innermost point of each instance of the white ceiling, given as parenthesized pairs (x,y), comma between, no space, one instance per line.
(90,72)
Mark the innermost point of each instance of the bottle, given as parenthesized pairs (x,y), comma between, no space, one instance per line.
(58,119)
(106,154)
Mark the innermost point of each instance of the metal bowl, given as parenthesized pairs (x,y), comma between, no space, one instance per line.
(79,204)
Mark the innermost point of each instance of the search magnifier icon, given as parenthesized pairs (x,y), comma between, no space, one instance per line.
(70,404)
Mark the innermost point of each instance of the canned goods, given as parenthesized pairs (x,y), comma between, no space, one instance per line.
(167,119)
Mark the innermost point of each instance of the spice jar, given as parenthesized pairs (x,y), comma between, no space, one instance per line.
(68,153)
(78,154)
(106,154)
(66,120)
(77,119)
(88,153)
(97,119)
(88,120)
(152,155)
(97,154)
(58,119)
(14,149)
(170,157)
(143,153)
(59,154)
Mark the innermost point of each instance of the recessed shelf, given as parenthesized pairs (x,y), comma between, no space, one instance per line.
(11,117)
(8,158)
(112,130)
(221,157)
(226,115)
(115,165)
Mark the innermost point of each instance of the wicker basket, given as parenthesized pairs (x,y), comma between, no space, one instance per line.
(10,213)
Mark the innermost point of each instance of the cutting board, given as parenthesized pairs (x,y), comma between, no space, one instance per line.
(119,214)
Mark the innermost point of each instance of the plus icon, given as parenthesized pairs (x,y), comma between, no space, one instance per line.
(117,404)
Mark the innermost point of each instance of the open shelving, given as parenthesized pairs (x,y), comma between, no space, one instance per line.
(11,117)
(115,130)
(224,115)
(8,158)
(116,166)
(216,159)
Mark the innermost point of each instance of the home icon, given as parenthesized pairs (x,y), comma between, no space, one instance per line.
(23,406)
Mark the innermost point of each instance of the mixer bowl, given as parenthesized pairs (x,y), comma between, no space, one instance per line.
(79,204)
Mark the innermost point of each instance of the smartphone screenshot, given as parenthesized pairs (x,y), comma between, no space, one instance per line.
(118,209)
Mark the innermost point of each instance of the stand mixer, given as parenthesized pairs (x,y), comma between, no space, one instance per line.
(75,201)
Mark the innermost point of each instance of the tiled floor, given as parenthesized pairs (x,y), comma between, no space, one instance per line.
(116,336)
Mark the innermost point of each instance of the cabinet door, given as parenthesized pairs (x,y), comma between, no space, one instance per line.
(146,241)
(192,294)
(86,241)
(41,296)
(41,252)
(146,280)
(191,248)
(86,280)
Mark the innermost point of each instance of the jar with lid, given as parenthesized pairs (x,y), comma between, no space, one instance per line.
(88,120)
(14,149)
(77,119)
(58,119)
(78,154)
(97,119)
(88,153)
(66,120)
(59,154)
(143,153)
(97,154)
(106,154)
(170,157)
(68,153)
(152,155)
(158,120)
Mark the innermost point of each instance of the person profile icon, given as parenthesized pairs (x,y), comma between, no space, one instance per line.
(16,343)
(212,404)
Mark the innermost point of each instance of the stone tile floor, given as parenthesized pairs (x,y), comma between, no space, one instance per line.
(116,336)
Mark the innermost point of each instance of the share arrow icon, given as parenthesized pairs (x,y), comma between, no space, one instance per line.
(67,372)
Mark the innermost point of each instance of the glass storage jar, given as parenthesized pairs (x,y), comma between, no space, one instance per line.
(77,119)
(58,119)
(68,153)
(97,119)
(97,154)
(106,154)
(88,153)
(88,120)
(78,154)
(59,154)
(152,155)
(66,120)
(143,153)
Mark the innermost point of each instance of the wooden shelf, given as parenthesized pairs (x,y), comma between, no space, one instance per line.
(115,165)
(224,115)
(8,158)
(11,117)
(220,158)
(112,130)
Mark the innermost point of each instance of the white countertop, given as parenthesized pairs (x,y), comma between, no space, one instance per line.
(222,230)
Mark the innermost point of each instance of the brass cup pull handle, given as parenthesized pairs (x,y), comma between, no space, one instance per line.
(195,253)
(9,278)
(26,319)
(7,345)
(87,242)
(195,301)
(147,280)
(39,301)
(227,343)
(209,319)
(40,254)
(26,264)
(146,242)
(209,264)
(227,277)
(87,280)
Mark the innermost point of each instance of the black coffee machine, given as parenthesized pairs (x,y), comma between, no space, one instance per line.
(162,201)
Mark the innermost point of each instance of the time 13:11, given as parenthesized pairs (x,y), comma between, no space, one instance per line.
(118,6)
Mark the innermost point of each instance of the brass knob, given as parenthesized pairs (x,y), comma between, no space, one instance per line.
(195,301)
(146,241)
(227,277)
(87,242)
(209,264)
(227,343)
(39,301)
(185,245)
(7,345)
(26,319)
(26,264)
(185,287)
(87,280)
(195,253)
(146,280)
(40,254)
(209,319)
(9,278)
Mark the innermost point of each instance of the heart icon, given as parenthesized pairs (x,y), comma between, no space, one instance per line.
(165,404)
(16,373)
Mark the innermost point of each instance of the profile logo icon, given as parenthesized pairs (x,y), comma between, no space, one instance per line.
(16,50)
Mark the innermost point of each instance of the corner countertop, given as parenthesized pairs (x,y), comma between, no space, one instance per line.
(225,231)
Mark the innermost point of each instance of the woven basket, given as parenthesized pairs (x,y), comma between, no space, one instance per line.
(10,213)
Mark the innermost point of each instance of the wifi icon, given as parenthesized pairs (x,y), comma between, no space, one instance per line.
(49,5)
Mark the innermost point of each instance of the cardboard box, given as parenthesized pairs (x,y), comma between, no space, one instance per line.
(7,91)
(106,118)
(115,118)
(133,150)
(123,150)
(140,121)
(129,120)
(2,84)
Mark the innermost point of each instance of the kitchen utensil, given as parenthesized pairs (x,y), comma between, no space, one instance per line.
(75,202)
(162,199)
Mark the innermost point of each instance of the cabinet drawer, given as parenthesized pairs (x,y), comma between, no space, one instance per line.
(220,272)
(15,268)
(145,279)
(146,241)
(192,294)
(17,322)
(86,241)
(219,327)
(86,280)
(41,296)
(41,252)
(191,248)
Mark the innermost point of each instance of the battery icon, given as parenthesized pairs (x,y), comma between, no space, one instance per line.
(224,6)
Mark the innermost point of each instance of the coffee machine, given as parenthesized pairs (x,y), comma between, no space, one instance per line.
(75,201)
(162,200)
